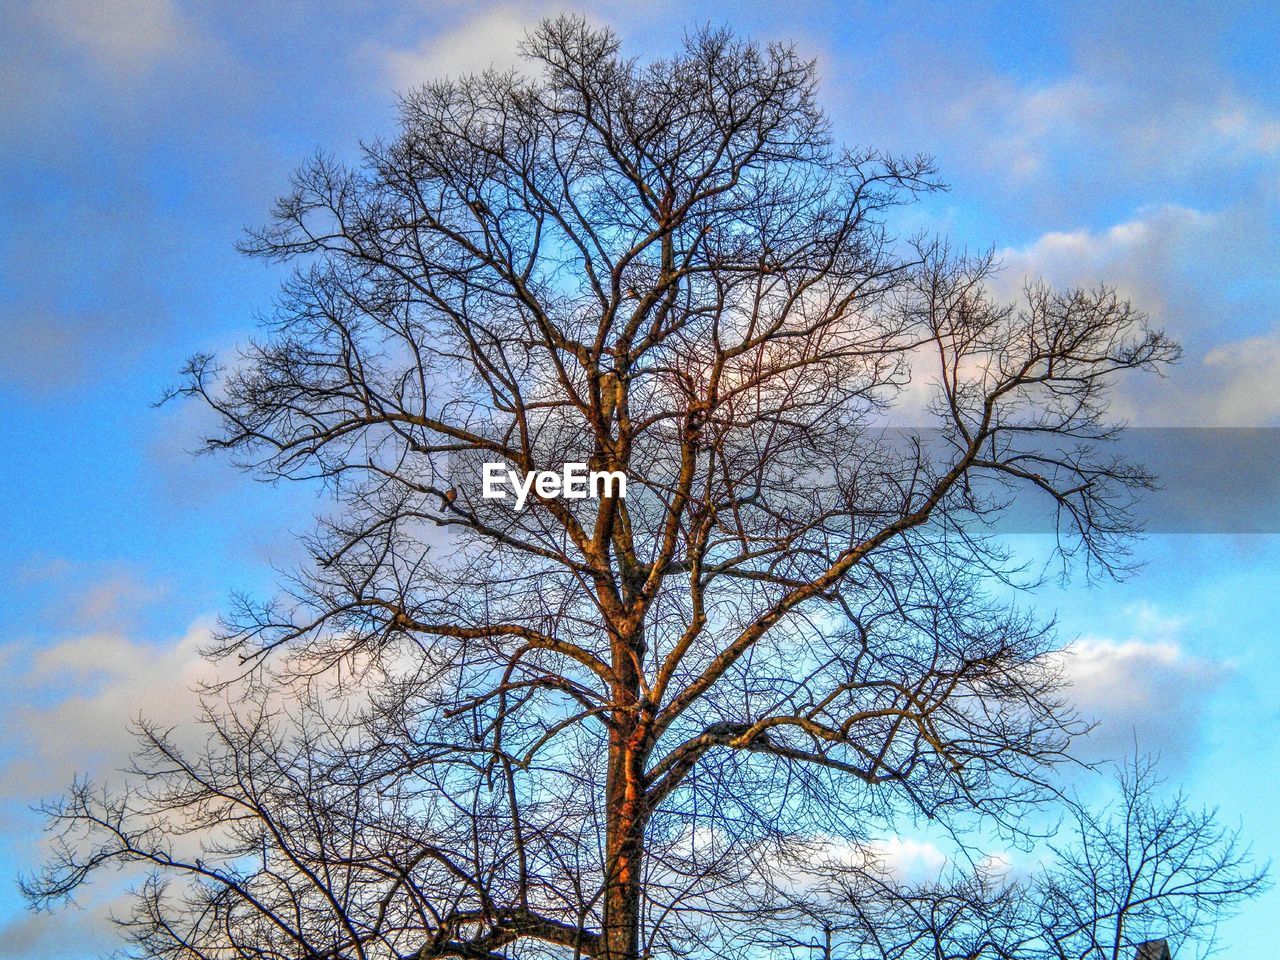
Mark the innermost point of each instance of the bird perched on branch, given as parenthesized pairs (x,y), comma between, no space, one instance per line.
(449,496)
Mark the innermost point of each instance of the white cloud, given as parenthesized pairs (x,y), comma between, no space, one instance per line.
(904,859)
(1017,124)
(1025,132)
(1142,690)
(1142,257)
(1136,254)
(908,860)
(488,39)
(88,596)
(68,712)
(1246,373)
(1176,264)
(1245,126)
(93,686)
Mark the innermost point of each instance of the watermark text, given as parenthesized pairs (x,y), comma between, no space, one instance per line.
(575,481)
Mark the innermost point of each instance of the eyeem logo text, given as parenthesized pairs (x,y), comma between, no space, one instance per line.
(573,482)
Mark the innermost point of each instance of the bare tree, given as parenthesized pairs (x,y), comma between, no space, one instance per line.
(1108,882)
(619,727)
(1141,871)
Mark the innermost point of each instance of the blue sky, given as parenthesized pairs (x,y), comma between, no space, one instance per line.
(1137,143)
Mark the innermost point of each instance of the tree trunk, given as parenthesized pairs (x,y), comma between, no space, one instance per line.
(626,821)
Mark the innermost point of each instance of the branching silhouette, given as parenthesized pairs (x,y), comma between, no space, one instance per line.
(631,727)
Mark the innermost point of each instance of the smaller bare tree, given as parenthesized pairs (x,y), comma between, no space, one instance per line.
(1110,880)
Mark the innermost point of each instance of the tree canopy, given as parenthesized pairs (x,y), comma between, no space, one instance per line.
(675,723)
